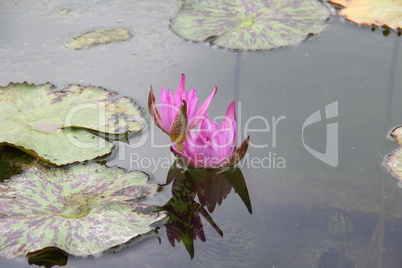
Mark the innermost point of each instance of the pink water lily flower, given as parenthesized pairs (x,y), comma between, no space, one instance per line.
(213,146)
(178,113)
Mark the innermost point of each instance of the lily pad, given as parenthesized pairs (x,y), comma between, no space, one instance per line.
(385,13)
(98,37)
(394,161)
(250,25)
(83,210)
(50,125)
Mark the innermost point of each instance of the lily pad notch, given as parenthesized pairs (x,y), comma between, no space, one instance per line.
(251,25)
(52,125)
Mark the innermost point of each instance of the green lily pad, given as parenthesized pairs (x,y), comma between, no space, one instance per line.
(251,25)
(82,210)
(50,125)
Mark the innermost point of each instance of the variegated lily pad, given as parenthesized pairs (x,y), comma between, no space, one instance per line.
(250,24)
(394,161)
(386,13)
(51,125)
(83,210)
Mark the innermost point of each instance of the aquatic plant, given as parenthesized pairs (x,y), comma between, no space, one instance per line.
(250,25)
(83,210)
(341,225)
(53,125)
(211,187)
(213,146)
(178,113)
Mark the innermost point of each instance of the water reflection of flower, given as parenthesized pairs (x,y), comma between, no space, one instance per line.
(211,187)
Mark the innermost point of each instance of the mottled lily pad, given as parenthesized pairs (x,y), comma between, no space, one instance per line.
(83,210)
(51,125)
(250,25)
(385,13)
(394,161)
(98,37)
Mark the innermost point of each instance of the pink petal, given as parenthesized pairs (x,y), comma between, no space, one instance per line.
(231,111)
(192,102)
(184,159)
(203,108)
(180,88)
(229,122)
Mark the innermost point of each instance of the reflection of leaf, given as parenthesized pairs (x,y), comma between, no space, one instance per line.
(387,13)
(394,162)
(213,186)
(185,223)
(48,257)
(237,248)
(51,124)
(83,210)
(14,161)
(244,24)
(238,183)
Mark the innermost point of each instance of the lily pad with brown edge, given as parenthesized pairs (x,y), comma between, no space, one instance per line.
(383,13)
(51,125)
(83,210)
(394,161)
(250,25)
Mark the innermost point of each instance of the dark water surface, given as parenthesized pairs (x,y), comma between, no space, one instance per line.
(293,194)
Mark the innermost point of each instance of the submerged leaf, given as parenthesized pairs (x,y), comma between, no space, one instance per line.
(51,124)
(97,37)
(251,25)
(383,13)
(83,210)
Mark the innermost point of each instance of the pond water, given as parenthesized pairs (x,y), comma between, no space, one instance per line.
(293,193)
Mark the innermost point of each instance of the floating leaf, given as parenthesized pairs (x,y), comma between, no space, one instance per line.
(251,25)
(83,210)
(51,124)
(386,13)
(97,37)
(394,161)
